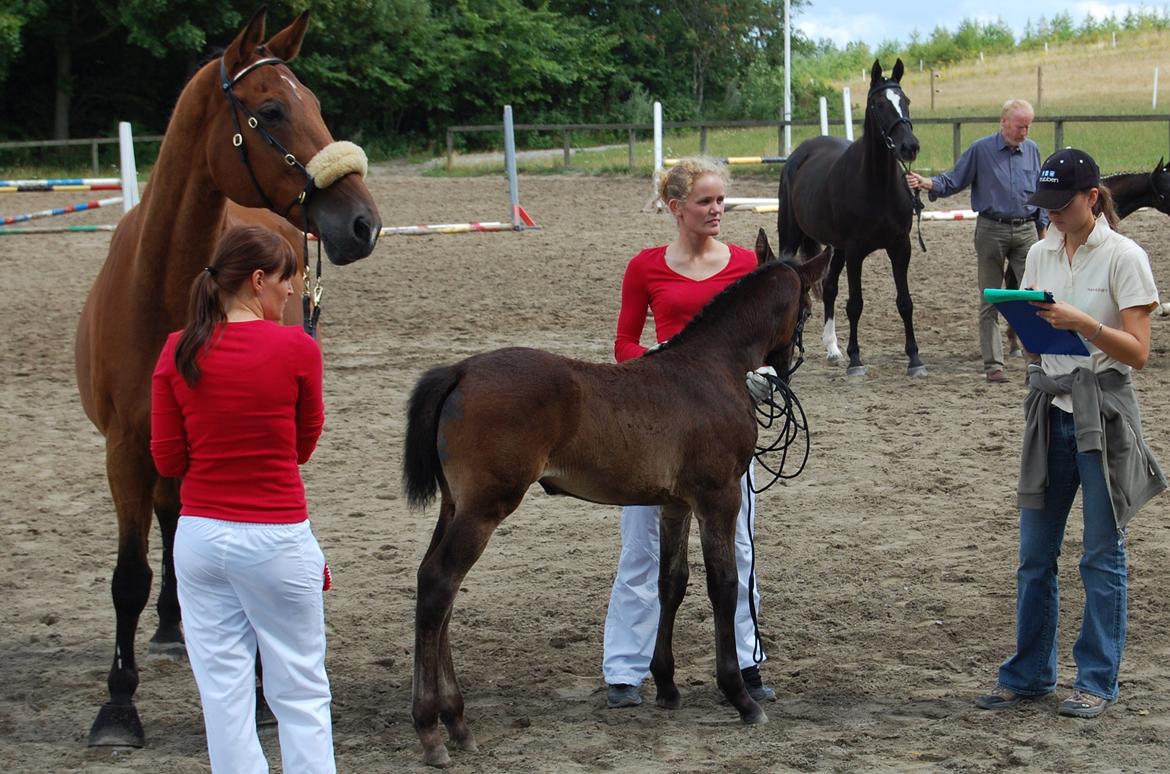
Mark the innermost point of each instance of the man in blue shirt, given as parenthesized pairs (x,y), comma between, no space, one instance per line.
(1002,170)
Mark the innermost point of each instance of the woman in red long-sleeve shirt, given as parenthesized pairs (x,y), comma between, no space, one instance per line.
(674,282)
(236,408)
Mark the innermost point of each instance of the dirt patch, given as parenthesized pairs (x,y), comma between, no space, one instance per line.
(887,568)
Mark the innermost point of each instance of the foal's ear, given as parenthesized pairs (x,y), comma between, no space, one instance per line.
(764,252)
(241,49)
(899,68)
(813,270)
(286,44)
(1160,166)
(875,73)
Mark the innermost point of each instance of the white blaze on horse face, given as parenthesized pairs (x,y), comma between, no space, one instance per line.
(829,339)
(296,92)
(896,100)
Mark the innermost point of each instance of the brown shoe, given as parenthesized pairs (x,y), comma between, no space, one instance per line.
(997,376)
(1084,705)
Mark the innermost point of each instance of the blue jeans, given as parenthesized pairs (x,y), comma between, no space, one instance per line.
(1032,670)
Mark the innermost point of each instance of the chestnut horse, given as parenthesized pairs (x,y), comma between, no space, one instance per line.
(675,428)
(245,133)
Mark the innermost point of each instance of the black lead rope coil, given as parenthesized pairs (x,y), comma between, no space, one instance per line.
(795,424)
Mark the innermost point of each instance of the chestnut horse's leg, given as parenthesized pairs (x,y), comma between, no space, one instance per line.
(829,296)
(900,262)
(168,638)
(132,477)
(674,528)
(462,534)
(717,513)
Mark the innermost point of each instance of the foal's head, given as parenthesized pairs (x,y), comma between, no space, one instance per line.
(887,112)
(789,330)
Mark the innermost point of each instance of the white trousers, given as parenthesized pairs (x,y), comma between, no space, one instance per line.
(631,623)
(247,586)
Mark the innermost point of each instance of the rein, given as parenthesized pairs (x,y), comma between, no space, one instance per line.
(310,299)
(915,195)
(783,403)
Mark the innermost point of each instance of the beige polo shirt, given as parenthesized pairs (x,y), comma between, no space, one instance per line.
(1108,273)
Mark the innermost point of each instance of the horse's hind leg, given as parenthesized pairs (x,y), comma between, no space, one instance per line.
(168,638)
(829,296)
(675,526)
(900,261)
(465,534)
(132,476)
(717,514)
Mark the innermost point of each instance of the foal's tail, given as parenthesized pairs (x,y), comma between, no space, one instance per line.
(421,469)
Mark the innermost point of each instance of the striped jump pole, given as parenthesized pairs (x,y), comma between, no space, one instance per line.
(734,160)
(424,229)
(53,229)
(949,214)
(48,186)
(54,211)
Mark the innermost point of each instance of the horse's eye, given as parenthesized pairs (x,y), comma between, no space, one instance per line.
(271,113)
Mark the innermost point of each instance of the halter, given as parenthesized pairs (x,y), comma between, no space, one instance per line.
(915,196)
(1158,195)
(310,300)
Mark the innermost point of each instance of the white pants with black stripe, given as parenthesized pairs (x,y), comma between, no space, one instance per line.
(631,623)
(245,586)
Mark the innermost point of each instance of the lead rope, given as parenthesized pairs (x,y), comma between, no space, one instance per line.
(310,300)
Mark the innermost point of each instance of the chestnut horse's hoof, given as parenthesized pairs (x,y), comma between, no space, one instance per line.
(117,725)
(437,757)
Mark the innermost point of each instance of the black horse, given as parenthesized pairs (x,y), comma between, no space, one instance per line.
(1133,190)
(854,197)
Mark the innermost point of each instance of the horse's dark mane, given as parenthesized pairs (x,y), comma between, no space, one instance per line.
(726,298)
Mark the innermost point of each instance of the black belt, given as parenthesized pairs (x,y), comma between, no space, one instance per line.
(1008,221)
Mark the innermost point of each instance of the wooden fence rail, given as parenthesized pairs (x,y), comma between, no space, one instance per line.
(566,130)
(93,142)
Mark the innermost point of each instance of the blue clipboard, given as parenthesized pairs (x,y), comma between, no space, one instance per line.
(1037,336)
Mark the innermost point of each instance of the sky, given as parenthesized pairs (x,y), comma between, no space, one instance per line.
(874,21)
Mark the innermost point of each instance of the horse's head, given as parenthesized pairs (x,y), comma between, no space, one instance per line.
(787,347)
(1160,183)
(269,147)
(887,112)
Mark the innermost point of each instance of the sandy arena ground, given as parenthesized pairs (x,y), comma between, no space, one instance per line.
(887,568)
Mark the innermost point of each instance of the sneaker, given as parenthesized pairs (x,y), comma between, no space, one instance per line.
(996,376)
(1000,698)
(622,695)
(1084,705)
(756,687)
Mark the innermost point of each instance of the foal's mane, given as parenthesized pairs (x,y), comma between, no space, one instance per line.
(726,302)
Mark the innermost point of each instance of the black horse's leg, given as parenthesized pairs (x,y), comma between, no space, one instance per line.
(168,638)
(717,513)
(900,261)
(132,476)
(829,295)
(436,693)
(674,528)
(853,307)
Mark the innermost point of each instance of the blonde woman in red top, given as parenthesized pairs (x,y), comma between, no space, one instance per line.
(236,408)
(674,282)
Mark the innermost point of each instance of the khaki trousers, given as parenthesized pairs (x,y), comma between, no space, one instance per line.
(997,246)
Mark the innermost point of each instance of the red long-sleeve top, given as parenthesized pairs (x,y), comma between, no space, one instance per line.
(649,283)
(237,437)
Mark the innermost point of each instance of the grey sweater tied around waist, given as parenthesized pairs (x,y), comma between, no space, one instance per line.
(1108,420)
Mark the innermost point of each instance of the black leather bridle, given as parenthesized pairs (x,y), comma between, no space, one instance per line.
(310,300)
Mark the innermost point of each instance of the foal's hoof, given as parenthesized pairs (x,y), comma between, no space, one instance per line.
(670,700)
(437,757)
(915,372)
(117,725)
(855,371)
(756,718)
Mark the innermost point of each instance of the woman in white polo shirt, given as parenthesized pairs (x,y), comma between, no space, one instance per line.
(1083,430)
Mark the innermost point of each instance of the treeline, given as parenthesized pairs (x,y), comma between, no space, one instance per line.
(393,74)
(971,38)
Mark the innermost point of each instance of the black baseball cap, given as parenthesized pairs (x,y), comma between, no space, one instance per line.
(1062,175)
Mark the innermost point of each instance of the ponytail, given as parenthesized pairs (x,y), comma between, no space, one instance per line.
(1105,206)
(241,251)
